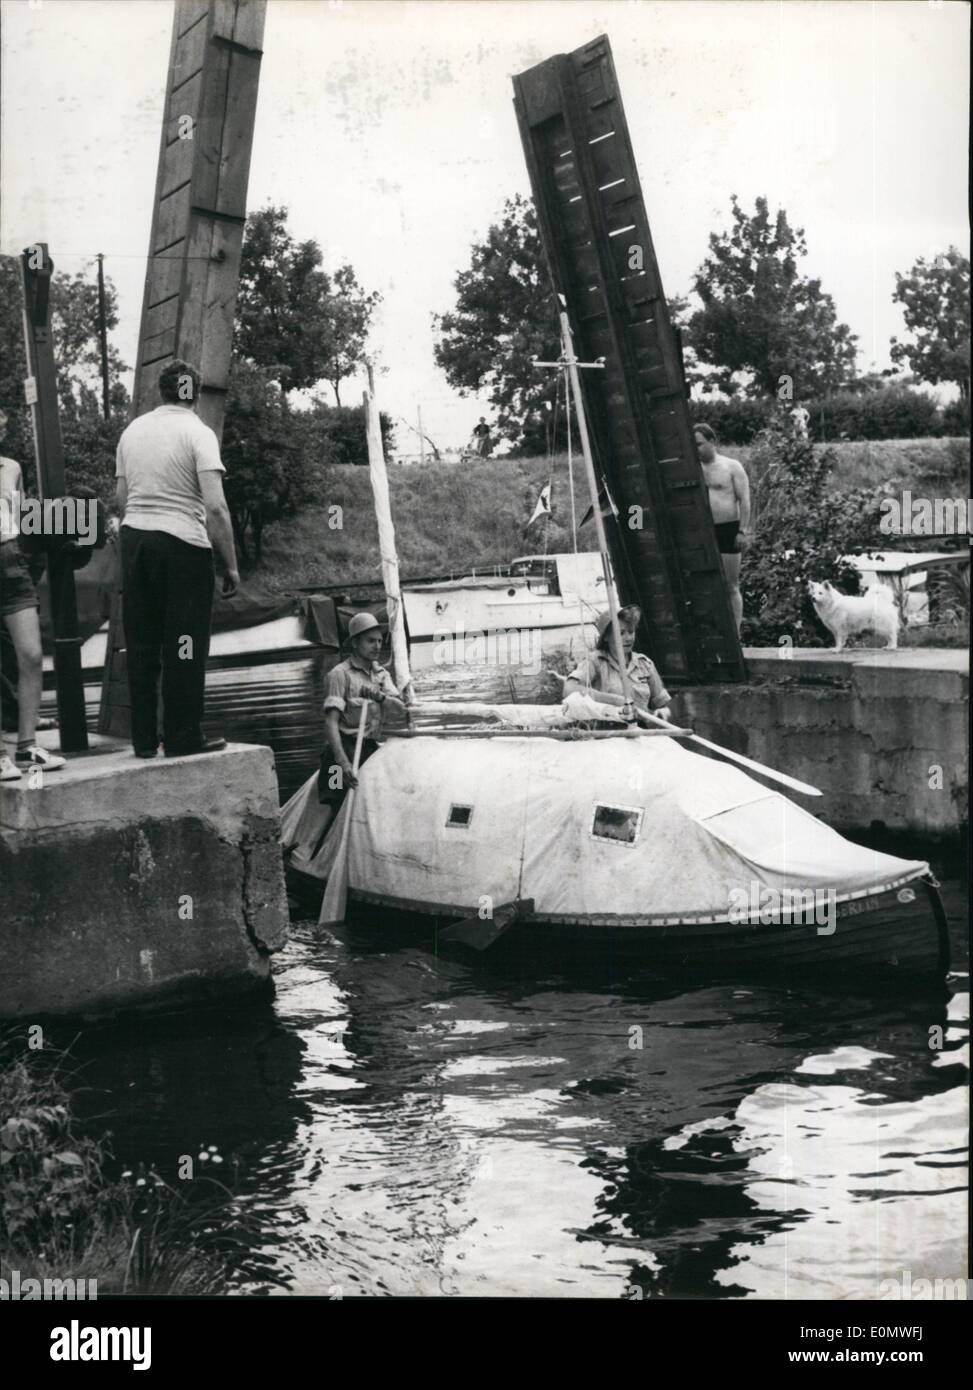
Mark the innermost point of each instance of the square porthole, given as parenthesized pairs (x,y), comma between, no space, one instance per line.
(619,824)
(459,817)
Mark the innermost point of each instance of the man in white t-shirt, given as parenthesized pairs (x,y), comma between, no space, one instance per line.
(170,497)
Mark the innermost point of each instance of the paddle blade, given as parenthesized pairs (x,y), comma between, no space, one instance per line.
(479,932)
(335,895)
(336,892)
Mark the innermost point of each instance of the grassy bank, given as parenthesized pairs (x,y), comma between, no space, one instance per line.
(449,517)
(63,1216)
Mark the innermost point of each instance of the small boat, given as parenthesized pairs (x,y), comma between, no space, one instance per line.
(552,600)
(621,841)
(546,824)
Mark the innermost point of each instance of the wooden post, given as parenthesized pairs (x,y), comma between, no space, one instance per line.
(197,232)
(41,390)
(595,232)
(103,338)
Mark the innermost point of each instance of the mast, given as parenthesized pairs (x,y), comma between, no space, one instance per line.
(574,388)
(386,542)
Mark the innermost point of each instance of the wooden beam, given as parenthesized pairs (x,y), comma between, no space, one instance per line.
(196,240)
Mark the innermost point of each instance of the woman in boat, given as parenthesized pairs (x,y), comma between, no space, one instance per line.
(358,678)
(600,676)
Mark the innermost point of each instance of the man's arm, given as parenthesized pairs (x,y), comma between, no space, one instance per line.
(121,497)
(219,526)
(333,735)
(741,490)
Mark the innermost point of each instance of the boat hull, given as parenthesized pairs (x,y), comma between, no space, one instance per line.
(896,931)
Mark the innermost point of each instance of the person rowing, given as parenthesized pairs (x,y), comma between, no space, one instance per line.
(356,679)
(599,674)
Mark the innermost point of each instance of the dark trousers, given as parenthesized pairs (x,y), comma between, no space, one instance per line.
(167,600)
(334,796)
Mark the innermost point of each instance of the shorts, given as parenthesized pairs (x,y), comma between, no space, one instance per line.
(726,537)
(17,590)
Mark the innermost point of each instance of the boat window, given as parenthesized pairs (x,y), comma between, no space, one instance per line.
(619,823)
(459,817)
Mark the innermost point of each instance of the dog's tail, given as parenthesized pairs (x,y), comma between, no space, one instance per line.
(882,593)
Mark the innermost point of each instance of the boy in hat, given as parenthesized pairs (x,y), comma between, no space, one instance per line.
(600,676)
(358,678)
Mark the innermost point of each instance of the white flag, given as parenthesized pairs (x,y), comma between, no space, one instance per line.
(543,507)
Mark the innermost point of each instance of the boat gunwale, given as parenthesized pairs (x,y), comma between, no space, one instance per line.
(636,920)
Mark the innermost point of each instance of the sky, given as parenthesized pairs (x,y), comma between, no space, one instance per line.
(387,128)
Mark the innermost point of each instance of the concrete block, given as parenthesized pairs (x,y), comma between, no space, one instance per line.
(137,885)
(871,740)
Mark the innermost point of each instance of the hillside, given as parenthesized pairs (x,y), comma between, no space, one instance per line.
(450,517)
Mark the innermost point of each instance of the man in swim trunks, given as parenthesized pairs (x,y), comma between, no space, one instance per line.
(729,500)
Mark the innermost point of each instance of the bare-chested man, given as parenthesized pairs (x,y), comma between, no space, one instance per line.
(729,500)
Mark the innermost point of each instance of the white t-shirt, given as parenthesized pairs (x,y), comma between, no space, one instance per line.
(10,487)
(160,455)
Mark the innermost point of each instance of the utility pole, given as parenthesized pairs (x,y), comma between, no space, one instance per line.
(40,390)
(422,442)
(103,336)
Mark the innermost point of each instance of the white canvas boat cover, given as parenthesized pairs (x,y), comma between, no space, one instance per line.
(636,829)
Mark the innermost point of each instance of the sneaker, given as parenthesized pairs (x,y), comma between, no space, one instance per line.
(8,772)
(35,756)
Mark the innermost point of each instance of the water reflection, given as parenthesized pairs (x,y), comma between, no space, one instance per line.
(414,1124)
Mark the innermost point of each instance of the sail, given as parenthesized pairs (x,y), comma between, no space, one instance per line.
(386,546)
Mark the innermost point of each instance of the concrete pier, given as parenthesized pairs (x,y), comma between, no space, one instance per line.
(883,734)
(140,884)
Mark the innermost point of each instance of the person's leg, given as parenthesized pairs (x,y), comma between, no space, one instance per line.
(143,600)
(25,634)
(189,605)
(731,569)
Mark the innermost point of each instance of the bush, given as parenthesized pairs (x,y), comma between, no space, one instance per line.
(886,412)
(894,412)
(801,530)
(735,421)
(336,434)
(956,419)
(61,1218)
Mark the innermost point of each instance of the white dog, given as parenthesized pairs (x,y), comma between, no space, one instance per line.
(844,615)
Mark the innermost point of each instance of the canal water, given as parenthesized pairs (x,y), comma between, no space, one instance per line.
(403,1123)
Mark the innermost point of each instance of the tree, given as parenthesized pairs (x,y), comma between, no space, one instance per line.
(505,315)
(293,320)
(77,351)
(935,296)
(329,435)
(89,440)
(351,313)
(266,476)
(762,318)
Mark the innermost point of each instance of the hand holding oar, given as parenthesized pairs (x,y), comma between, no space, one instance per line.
(336,892)
(782,777)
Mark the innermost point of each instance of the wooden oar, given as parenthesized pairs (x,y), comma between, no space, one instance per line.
(483,932)
(770,772)
(336,892)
